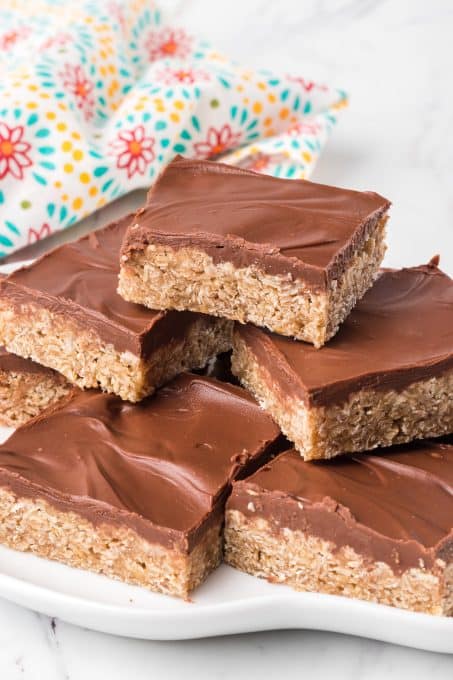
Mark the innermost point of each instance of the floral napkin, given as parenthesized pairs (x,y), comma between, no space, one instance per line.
(97,96)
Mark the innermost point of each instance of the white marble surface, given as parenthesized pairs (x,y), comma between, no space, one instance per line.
(395,60)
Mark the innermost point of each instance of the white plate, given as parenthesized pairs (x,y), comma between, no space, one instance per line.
(8,268)
(229,602)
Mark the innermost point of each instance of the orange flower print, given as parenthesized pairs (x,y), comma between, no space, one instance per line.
(186,76)
(76,82)
(169,42)
(217,142)
(133,150)
(37,234)
(13,151)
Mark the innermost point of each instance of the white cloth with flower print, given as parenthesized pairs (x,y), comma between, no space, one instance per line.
(96,97)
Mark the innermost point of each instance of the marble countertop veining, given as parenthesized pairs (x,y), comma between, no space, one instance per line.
(394,57)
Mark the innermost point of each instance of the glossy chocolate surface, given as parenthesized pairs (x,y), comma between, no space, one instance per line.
(396,507)
(284,226)
(162,467)
(80,280)
(400,332)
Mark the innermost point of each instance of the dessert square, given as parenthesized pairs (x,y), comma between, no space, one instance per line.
(26,389)
(64,312)
(385,378)
(368,527)
(288,255)
(133,491)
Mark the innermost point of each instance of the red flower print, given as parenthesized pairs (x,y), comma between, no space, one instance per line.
(10,38)
(37,234)
(186,76)
(308,85)
(169,42)
(304,128)
(116,11)
(75,80)
(259,162)
(134,150)
(58,40)
(217,142)
(13,151)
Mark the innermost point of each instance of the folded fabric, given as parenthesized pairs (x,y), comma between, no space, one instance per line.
(96,97)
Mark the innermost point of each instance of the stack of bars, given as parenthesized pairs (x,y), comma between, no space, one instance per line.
(136,468)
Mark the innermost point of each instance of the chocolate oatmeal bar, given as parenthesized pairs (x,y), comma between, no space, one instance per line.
(288,255)
(368,527)
(385,378)
(63,312)
(133,491)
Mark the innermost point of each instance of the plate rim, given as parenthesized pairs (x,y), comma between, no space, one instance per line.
(284,609)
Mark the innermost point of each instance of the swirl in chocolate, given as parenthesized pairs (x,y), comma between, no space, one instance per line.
(162,467)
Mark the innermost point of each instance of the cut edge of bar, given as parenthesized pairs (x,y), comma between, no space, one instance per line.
(85,360)
(162,277)
(25,395)
(367,420)
(309,563)
(33,525)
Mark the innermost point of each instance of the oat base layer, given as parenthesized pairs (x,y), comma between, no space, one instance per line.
(32,525)
(308,563)
(79,354)
(367,420)
(25,395)
(188,279)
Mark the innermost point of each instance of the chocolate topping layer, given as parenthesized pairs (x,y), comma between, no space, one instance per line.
(14,364)
(80,280)
(283,226)
(396,508)
(400,332)
(162,467)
